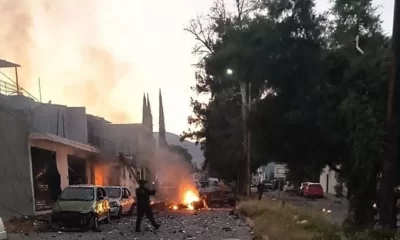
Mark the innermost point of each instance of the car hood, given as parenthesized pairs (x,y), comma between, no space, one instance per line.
(114,199)
(77,206)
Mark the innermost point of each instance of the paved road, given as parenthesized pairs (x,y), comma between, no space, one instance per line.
(205,225)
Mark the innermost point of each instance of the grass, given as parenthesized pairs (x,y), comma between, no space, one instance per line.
(269,219)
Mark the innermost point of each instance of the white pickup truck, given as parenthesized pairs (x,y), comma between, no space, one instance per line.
(3,233)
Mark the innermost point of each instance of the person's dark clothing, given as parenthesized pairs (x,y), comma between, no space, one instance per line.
(149,214)
(143,196)
(260,191)
(143,206)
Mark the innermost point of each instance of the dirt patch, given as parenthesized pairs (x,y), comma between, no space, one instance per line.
(27,224)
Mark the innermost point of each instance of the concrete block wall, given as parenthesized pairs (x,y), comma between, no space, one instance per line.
(15,168)
(67,122)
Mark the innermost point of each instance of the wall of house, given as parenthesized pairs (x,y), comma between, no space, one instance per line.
(16,191)
(63,121)
(328,180)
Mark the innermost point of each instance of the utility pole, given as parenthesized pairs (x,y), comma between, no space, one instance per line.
(387,206)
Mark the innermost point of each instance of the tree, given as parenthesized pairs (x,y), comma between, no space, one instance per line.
(183,152)
(327,99)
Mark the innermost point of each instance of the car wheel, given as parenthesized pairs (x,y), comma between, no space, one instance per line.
(108,218)
(93,223)
(119,212)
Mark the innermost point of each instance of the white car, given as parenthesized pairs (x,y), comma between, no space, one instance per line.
(121,201)
(3,233)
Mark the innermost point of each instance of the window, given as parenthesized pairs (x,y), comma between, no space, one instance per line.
(127,192)
(77,194)
(98,193)
(113,192)
(103,192)
(124,172)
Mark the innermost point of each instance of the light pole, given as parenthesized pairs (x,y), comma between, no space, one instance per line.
(245,89)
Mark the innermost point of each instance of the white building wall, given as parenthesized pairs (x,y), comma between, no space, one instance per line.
(328,180)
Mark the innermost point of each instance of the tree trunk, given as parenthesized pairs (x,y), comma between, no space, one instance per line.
(389,164)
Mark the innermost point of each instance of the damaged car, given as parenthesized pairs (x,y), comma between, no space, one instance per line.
(81,206)
(121,201)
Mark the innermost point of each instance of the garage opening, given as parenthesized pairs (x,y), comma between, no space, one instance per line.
(76,170)
(46,178)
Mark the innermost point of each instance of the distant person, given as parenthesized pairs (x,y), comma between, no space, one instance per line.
(260,191)
(143,205)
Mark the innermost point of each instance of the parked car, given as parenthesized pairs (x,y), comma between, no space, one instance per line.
(121,201)
(303,185)
(3,233)
(82,206)
(313,190)
(267,186)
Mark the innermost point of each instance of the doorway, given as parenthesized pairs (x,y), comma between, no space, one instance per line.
(76,170)
(46,178)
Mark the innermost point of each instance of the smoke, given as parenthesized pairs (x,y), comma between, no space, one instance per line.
(99,76)
(15,34)
(50,38)
(172,169)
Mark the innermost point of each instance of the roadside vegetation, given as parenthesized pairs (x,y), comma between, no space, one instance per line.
(271,220)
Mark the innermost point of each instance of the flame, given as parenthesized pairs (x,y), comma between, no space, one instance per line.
(175,207)
(189,198)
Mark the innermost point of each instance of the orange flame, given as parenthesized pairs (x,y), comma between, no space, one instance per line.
(189,198)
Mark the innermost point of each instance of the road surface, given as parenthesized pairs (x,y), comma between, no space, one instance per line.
(205,225)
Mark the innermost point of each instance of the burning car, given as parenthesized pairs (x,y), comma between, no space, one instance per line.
(218,196)
(190,201)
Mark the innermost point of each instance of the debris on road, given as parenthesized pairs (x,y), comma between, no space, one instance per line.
(204,225)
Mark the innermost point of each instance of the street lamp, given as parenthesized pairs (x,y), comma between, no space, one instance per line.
(246,103)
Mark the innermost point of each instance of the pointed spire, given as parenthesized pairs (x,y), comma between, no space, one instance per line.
(161,124)
(150,115)
(144,109)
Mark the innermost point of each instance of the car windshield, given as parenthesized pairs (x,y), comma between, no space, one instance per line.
(113,192)
(77,194)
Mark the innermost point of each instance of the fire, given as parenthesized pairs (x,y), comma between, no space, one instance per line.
(189,198)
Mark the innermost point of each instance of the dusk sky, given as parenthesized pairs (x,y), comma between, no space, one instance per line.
(104,54)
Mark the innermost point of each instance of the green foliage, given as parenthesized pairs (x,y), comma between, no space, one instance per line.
(326,103)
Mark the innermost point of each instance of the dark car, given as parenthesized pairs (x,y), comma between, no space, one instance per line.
(278,184)
(267,186)
(303,185)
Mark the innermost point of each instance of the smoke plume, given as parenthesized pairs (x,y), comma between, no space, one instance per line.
(15,34)
(172,169)
(71,29)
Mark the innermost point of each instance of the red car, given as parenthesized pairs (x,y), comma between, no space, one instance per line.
(313,190)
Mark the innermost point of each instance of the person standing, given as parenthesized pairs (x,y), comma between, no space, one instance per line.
(143,205)
(260,191)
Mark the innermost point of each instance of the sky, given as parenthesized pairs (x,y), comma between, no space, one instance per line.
(105,54)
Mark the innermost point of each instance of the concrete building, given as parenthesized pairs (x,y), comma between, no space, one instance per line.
(328,181)
(42,144)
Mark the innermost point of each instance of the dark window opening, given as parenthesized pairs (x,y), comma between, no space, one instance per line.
(76,170)
(46,178)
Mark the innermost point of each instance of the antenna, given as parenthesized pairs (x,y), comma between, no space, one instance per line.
(40,91)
